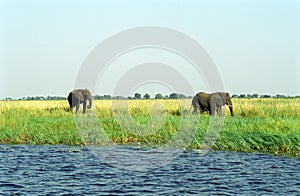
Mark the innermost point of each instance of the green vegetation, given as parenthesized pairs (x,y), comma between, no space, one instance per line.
(259,125)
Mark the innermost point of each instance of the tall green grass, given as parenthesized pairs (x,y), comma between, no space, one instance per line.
(259,125)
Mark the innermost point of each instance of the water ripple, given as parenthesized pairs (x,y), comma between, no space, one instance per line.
(65,170)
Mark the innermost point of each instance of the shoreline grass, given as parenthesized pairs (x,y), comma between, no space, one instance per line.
(259,125)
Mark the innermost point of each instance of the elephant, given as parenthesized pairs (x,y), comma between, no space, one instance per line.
(78,96)
(211,102)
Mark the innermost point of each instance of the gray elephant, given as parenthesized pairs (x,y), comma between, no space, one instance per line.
(211,102)
(76,97)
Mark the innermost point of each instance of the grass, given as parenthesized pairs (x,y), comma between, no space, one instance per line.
(259,125)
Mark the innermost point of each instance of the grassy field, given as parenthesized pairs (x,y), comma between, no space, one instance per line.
(259,125)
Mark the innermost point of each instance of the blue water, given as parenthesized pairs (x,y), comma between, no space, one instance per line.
(68,170)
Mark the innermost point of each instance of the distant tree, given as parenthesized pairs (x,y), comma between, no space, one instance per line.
(129,97)
(265,96)
(146,96)
(280,96)
(107,97)
(173,96)
(137,96)
(181,96)
(242,96)
(55,98)
(234,96)
(39,98)
(98,97)
(249,96)
(158,96)
(118,98)
(255,95)
(29,98)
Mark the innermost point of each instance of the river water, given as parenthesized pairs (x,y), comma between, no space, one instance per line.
(69,170)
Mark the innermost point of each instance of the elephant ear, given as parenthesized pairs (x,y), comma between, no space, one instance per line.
(77,94)
(223,96)
(85,92)
(227,95)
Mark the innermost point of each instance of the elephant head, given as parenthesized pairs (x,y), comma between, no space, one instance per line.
(219,99)
(78,96)
(87,96)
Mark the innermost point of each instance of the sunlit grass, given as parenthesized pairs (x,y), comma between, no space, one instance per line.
(263,125)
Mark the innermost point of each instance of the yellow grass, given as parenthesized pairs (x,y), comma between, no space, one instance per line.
(257,107)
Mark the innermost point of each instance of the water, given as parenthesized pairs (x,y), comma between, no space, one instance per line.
(68,170)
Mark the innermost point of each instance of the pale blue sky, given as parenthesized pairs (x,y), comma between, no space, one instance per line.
(254,43)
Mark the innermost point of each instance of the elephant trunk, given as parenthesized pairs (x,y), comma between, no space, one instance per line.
(90,104)
(229,103)
(231,109)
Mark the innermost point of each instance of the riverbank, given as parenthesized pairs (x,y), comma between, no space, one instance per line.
(259,125)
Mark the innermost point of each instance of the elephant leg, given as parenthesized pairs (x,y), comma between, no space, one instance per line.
(219,110)
(84,106)
(77,107)
(212,110)
(231,110)
(195,104)
(201,110)
(196,110)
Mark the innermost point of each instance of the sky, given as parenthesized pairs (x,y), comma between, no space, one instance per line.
(254,44)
